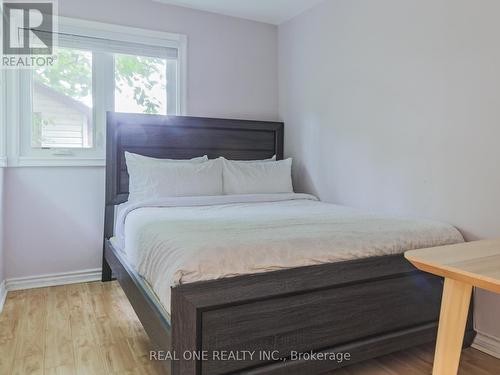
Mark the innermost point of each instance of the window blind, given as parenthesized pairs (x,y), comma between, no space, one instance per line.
(115,46)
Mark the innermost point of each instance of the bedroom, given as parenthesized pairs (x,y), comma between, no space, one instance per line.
(386,111)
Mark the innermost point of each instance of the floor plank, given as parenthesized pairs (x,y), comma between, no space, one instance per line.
(91,329)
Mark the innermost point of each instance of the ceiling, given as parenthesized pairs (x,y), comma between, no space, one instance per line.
(269,11)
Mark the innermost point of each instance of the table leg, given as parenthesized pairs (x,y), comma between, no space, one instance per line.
(452,321)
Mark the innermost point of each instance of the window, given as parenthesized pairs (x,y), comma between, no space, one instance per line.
(62,102)
(140,84)
(99,68)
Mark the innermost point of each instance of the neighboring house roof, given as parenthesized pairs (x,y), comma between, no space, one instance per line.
(63,99)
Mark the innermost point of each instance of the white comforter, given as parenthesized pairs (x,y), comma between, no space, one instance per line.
(183,240)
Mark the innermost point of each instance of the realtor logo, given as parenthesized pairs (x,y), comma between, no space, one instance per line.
(27,28)
(28,33)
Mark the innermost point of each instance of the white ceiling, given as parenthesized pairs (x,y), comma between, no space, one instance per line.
(270,11)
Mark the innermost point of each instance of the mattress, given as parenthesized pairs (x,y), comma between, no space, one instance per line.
(189,239)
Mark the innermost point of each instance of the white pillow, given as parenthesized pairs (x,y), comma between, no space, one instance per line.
(259,177)
(253,161)
(131,158)
(174,179)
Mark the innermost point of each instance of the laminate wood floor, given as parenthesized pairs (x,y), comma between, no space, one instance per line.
(91,329)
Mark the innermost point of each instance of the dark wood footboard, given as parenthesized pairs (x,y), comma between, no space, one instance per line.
(365,308)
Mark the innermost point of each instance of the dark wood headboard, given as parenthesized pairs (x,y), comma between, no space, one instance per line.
(180,137)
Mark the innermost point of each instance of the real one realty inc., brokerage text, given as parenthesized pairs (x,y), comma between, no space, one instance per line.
(247,355)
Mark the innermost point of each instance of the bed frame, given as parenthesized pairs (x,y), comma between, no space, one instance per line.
(368,307)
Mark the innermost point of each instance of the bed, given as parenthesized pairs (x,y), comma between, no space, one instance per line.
(229,290)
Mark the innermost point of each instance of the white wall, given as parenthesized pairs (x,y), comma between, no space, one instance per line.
(2,260)
(54,220)
(394,105)
(55,215)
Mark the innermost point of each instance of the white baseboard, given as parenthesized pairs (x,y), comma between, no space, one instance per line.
(487,344)
(53,279)
(3,295)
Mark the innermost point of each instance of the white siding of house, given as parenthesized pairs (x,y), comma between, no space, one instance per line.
(69,127)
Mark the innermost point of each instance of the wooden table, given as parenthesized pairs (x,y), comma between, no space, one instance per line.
(464,266)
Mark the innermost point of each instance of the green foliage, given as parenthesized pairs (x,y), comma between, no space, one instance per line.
(137,72)
(71,75)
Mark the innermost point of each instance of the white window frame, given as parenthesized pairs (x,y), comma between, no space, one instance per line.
(3,106)
(20,154)
(3,118)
